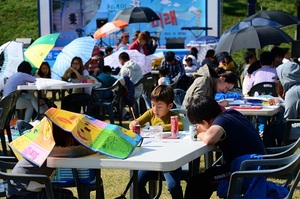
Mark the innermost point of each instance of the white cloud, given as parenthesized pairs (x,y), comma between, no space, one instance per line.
(193,9)
(165,2)
(176,5)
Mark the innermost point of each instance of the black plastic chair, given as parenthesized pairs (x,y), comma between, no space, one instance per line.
(288,132)
(8,163)
(108,105)
(264,88)
(7,104)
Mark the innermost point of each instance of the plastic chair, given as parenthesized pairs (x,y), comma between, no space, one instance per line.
(6,164)
(109,104)
(7,104)
(289,135)
(147,81)
(288,166)
(264,88)
(178,97)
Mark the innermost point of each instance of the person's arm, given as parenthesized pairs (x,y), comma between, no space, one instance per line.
(142,120)
(212,135)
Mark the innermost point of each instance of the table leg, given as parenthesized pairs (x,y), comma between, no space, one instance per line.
(134,186)
(99,185)
(208,159)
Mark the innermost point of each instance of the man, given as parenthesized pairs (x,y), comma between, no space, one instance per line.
(174,65)
(124,41)
(132,70)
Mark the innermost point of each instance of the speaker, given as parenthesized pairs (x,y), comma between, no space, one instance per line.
(101,21)
(296,49)
(172,43)
(26,41)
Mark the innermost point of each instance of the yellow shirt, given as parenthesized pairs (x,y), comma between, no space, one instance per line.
(165,121)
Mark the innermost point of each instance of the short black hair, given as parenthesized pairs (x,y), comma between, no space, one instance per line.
(163,71)
(278,52)
(106,69)
(108,49)
(248,55)
(197,110)
(124,56)
(169,56)
(25,67)
(266,58)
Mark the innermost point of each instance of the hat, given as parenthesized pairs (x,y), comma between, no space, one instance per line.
(124,34)
(189,58)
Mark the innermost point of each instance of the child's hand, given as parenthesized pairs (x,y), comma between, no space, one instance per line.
(273,101)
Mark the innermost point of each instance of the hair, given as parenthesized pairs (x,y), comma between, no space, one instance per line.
(286,50)
(106,69)
(254,66)
(143,36)
(124,56)
(136,34)
(163,93)
(194,51)
(40,72)
(169,56)
(197,110)
(62,138)
(81,69)
(101,53)
(210,53)
(230,77)
(278,52)
(108,49)
(163,71)
(266,58)
(25,67)
(248,55)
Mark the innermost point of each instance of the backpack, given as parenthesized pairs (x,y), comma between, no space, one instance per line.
(129,91)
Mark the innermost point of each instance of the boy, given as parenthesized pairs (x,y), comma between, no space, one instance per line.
(231,131)
(162,102)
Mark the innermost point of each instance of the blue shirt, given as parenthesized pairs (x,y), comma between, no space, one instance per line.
(174,69)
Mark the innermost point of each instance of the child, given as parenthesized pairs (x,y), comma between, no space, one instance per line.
(162,102)
(65,146)
(163,79)
(190,67)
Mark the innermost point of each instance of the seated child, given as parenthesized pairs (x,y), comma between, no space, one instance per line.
(163,79)
(190,67)
(162,101)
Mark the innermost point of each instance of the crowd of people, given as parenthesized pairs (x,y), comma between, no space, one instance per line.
(228,129)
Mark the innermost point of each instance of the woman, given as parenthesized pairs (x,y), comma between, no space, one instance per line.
(140,44)
(27,100)
(44,71)
(79,97)
(208,83)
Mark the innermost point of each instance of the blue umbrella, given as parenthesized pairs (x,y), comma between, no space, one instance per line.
(80,47)
(253,22)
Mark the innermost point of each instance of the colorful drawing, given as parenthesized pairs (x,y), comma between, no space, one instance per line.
(112,140)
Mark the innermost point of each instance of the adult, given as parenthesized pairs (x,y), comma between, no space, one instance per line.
(210,58)
(151,44)
(289,76)
(267,72)
(231,131)
(249,58)
(278,54)
(287,55)
(132,70)
(174,65)
(140,43)
(79,97)
(207,83)
(96,63)
(92,64)
(253,67)
(27,100)
(124,41)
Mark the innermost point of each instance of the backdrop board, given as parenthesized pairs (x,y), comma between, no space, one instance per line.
(83,17)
